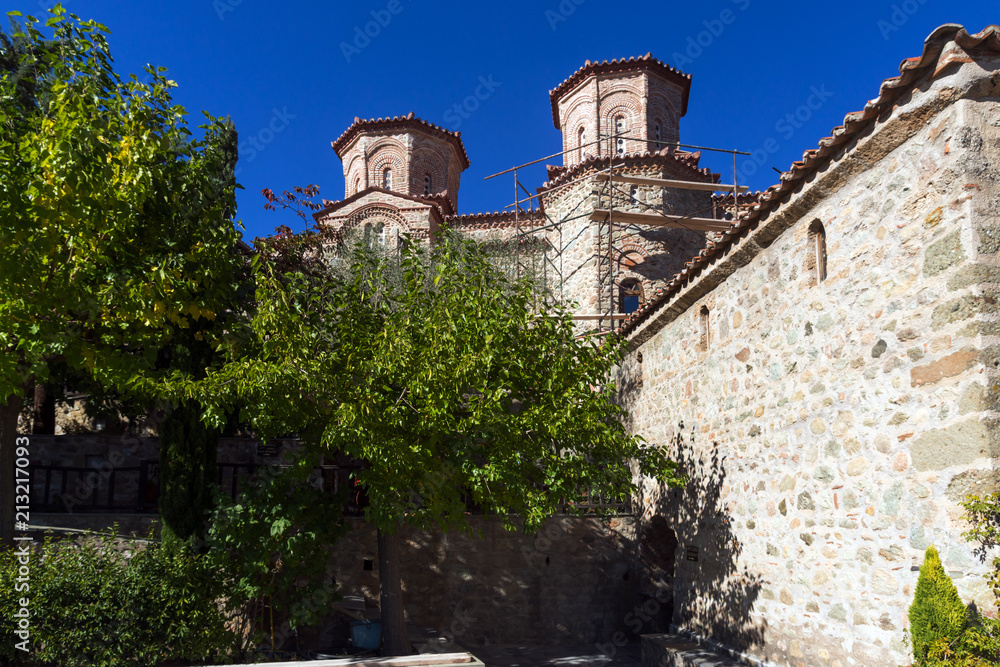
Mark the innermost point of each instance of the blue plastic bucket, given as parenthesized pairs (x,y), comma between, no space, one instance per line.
(366,634)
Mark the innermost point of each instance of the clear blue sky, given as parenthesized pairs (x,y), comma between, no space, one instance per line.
(283,66)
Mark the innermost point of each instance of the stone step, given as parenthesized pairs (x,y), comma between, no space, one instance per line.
(425,660)
(670,650)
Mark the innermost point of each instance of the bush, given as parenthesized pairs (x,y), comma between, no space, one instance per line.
(937,613)
(111,603)
(273,546)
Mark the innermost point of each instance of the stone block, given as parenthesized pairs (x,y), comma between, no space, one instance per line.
(949,366)
(944,254)
(989,240)
(962,309)
(959,444)
(973,274)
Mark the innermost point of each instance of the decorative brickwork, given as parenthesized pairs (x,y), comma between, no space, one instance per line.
(422,159)
(642,98)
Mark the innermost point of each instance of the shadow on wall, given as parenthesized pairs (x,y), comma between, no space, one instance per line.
(712,594)
(571,583)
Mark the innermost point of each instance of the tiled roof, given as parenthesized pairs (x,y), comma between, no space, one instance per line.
(745,198)
(496,219)
(442,200)
(912,71)
(408,122)
(646,62)
(434,201)
(560,175)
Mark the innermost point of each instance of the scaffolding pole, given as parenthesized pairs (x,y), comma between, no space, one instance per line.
(609,216)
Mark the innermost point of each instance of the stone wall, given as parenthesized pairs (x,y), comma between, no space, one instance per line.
(572,583)
(829,427)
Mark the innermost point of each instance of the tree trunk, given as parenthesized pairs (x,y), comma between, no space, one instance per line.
(44,422)
(188,453)
(395,639)
(8,436)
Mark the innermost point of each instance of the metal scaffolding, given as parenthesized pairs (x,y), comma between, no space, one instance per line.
(616,186)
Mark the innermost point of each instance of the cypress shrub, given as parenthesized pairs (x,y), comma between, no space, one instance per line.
(937,613)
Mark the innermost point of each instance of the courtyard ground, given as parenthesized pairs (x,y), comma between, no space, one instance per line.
(557,656)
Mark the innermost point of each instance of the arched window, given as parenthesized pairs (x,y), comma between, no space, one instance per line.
(387,179)
(427,184)
(357,185)
(630,295)
(657,135)
(581,139)
(704,329)
(374,233)
(620,129)
(817,241)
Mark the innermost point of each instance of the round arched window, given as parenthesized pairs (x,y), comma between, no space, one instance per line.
(630,295)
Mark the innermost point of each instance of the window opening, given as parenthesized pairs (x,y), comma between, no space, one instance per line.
(630,295)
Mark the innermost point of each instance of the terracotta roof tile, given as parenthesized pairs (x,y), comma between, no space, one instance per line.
(560,175)
(408,122)
(646,62)
(911,71)
(439,201)
(494,220)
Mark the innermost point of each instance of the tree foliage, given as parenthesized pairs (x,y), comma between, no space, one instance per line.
(450,383)
(449,380)
(111,215)
(116,224)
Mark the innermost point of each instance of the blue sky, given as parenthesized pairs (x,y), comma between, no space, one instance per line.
(285,76)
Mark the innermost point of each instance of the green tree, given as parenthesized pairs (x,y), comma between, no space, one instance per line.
(937,613)
(442,375)
(114,231)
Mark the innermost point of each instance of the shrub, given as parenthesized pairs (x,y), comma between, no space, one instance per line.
(110,603)
(937,613)
(273,545)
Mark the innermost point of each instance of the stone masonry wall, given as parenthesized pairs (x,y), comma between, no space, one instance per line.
(572,583)
(829,428)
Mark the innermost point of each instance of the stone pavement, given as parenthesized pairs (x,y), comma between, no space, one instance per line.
(556,656)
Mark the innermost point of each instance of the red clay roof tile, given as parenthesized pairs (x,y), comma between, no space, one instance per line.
(407,122)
